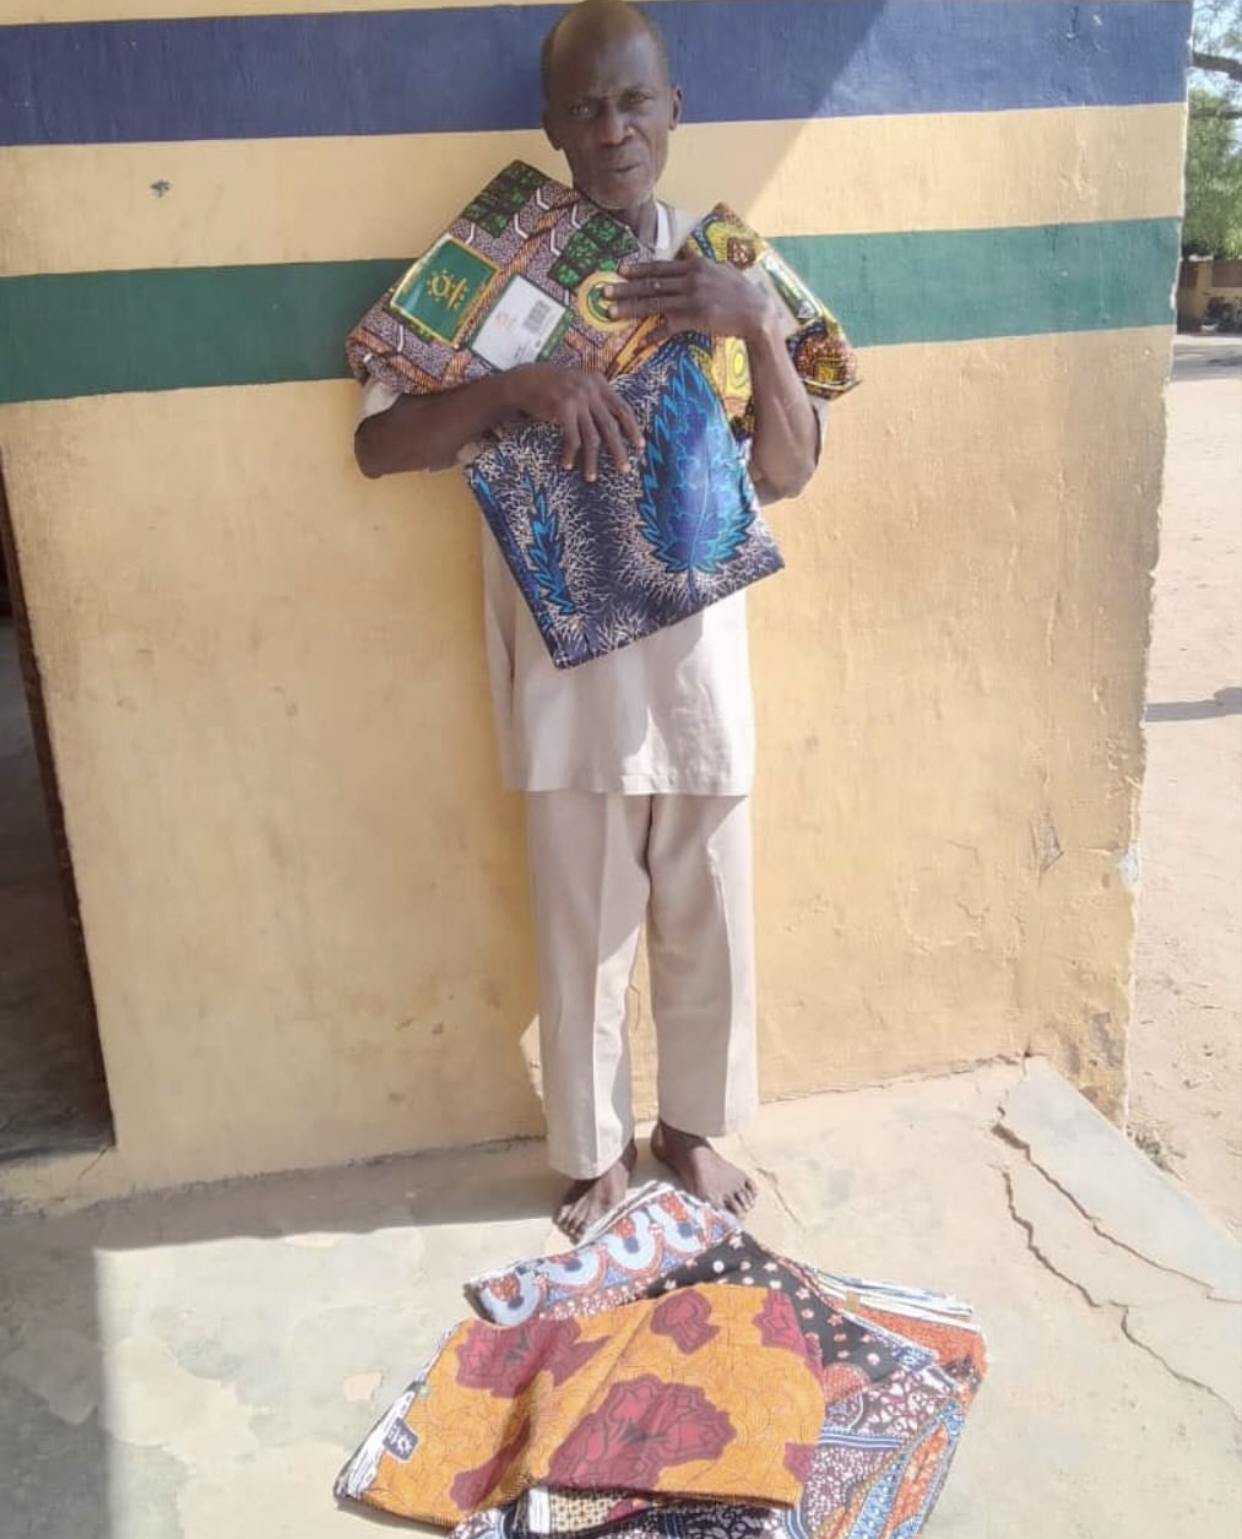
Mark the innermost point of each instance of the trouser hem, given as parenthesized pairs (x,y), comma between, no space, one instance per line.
(699,1127)
(577,1169)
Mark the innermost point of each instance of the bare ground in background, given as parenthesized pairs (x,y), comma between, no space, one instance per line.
(1186,1043)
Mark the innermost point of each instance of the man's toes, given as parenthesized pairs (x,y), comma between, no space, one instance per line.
(567,1220)
(742,1199)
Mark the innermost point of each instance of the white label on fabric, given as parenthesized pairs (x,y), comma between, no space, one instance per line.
(538,1510)
(517,326)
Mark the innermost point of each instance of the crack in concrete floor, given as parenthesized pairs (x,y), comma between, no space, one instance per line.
(1008,1136)
(1183,1378)
(774,1184)
(1032,1245)
(1120,1309)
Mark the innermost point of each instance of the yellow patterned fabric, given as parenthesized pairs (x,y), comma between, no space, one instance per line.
(708,1393)
(821,353)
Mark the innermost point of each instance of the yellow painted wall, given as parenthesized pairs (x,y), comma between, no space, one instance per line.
(302,887)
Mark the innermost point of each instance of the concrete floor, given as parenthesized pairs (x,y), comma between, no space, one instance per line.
(52,1094)
(199,1364)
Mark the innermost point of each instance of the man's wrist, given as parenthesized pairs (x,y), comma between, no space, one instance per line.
(505,390)
(765,329)
(508,387)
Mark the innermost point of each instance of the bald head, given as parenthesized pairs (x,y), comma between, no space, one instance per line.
(610,106)
(596,22)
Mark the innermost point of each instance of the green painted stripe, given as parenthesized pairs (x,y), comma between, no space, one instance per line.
(953,285)
(72,334)
(175,328)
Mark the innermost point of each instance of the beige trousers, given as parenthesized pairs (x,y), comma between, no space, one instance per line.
(599,865)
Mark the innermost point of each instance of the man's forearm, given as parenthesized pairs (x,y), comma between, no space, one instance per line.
(786,433)
(428,432)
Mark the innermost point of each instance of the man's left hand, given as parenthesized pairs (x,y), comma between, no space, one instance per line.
(692,294)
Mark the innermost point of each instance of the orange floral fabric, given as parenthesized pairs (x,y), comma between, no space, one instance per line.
(704,1393)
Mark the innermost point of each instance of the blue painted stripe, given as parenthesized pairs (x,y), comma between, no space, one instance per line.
(465,70)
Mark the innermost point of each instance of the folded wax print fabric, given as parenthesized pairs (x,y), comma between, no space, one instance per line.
(882,1454)
(882,1458)
(514,279)
(518,278)
(821,354)
(851,1355)
(602,564)
(941,1333)
(656,1229)
(706,1393)
(555,1514)
(671,1520)
(863,1437)
(918,1325)
(898,1384)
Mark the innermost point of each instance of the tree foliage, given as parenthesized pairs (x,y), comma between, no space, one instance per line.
(1213,222)
(1216,50)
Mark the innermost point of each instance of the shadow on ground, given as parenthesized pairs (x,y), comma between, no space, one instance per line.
(1225,702)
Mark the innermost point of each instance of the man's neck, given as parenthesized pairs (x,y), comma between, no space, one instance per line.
(643,220)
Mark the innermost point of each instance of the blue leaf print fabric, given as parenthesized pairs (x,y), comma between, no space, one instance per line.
(602,565)
(694,510)
(546,553)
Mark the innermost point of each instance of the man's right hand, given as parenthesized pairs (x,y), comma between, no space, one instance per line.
(588,411)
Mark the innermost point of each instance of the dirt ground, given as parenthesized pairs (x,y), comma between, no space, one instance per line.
(1186,1043)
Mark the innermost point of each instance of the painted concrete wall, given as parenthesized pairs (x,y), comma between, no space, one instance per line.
(303,890)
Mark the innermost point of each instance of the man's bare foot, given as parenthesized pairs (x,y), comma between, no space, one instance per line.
(586,1202)
(702,1171)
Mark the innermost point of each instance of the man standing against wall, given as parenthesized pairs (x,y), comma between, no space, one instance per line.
(637,766)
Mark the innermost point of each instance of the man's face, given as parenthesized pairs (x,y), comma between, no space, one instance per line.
(610,110)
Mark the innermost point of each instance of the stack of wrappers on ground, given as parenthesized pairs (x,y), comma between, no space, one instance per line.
(672,1378)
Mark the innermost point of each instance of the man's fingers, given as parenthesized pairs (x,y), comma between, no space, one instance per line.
(675,269)
(628,421)
(571,442)
(649,298)
(590,448)
(595,416)
(675,322)
(630,427)
(609,426)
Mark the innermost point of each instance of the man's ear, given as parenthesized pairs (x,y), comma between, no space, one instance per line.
(677,102)
(547,128)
